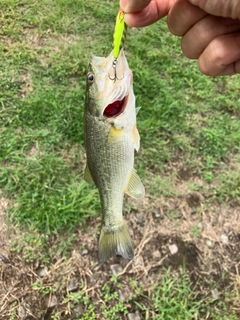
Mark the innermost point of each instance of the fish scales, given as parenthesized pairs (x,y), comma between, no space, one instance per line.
(111,136)
(109,176)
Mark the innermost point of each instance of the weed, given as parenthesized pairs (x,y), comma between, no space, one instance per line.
(32,247)
(195,231)
(42,288)
(117,306)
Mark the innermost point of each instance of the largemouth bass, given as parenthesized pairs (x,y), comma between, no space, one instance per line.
(110,136)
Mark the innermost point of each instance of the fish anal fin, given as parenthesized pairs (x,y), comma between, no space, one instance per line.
(114,135)
(116,241)
(136,138)
(87,175)
(135,188)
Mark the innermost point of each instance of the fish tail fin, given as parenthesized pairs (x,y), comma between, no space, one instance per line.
(113,242)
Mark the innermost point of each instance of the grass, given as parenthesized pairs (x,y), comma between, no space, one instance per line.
(185,117)
(171,297)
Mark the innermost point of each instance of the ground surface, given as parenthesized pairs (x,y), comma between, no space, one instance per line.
(201,238)
(186,231)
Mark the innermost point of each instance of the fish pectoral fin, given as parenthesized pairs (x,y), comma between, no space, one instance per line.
(135,188)
(137,110)
(113,242)
(136,138)
(87,176)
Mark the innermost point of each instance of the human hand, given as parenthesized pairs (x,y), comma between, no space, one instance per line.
(209,34)
(141,13)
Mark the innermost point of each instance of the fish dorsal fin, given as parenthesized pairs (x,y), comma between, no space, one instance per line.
(87,175)
(135,188)
(136,138)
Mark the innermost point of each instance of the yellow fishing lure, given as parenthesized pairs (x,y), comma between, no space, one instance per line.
(118,40)
(119,33)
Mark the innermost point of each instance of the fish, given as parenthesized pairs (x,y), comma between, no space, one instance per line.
(111,138)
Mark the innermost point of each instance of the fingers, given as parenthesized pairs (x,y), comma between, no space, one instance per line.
(231,69)
(147,16)
(209,29)
(133,5)
(182,16)
(221,56)
(212,40)
(204,31)
(223,8)
(145,12)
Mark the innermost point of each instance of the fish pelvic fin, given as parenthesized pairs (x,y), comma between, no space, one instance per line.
(115,241)
(87,176)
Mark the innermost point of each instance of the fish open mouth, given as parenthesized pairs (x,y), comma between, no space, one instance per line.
(115,108)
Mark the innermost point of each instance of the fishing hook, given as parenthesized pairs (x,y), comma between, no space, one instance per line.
(114,65)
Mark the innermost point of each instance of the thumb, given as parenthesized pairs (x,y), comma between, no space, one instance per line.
(130,6)
(221,8)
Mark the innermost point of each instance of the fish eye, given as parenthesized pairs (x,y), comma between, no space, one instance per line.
(90,78)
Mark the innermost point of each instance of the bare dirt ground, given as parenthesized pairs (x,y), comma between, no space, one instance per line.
(4,236)
(186,230)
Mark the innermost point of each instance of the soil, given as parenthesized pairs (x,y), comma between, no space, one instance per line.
(184,231)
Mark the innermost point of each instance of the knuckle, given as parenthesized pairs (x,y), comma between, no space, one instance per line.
(205,69)
(214,58)
(218,52)
(188,50)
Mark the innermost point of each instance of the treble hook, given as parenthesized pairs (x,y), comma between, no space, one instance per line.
(114,65)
